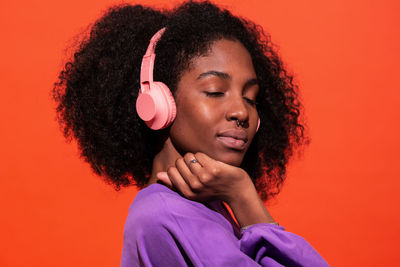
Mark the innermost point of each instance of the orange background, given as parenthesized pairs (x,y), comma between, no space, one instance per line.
(340,195)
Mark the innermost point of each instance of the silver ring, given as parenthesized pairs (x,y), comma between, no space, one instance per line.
(193,161)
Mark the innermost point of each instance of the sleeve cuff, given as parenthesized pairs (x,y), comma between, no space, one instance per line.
(274,224)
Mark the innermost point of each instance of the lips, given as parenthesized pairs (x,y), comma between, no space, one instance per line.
(234,139)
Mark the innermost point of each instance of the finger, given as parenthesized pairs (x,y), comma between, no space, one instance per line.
(191,179)
(163,177)
(184,170)
(206,161)
(178,182)
(192,163)
(212,169)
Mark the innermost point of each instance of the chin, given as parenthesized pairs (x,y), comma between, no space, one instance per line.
(233,158)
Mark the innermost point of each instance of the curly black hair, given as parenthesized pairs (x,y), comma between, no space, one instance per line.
(97,89)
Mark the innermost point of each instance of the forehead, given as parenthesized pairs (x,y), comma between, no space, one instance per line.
(226,56)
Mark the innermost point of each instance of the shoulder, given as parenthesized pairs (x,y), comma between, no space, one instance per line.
(156,206)
(158,199)
(151,234)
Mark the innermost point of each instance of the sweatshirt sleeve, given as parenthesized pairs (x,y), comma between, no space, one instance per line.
(264,241)
(169,233)
(166,231)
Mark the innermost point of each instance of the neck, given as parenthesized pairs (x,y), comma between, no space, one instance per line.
(163,159)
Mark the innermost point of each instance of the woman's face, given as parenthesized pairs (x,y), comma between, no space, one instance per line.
(219,89)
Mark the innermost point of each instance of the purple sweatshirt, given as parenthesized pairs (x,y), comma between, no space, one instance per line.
(166,229)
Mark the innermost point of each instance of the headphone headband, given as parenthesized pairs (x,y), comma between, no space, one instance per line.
(155,104)
(146,70)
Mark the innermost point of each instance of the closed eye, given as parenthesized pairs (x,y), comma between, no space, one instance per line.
(219,94)
(250,101)
(214,94)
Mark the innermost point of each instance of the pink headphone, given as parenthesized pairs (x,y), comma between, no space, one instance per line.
(155,104)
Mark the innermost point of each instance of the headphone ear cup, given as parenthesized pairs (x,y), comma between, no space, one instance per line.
(167,104)
(145,106)
(156,106)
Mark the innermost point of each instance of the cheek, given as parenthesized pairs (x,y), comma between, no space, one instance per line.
(196,117)
(193,125)
(206,114)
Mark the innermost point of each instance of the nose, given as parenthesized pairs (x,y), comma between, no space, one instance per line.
(237,110)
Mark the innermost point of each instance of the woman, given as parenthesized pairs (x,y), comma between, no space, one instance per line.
(226,124)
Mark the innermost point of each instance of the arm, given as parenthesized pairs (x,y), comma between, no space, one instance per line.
(265,241)
(168,230)
(262,240)
(248,208)
(211,179)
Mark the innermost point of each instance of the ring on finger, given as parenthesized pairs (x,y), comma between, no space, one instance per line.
(193,161)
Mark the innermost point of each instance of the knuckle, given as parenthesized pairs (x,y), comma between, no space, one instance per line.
(215,171)
(196,185)
(204,177)
(188,157)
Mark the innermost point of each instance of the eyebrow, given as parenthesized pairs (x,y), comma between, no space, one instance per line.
(251,82)
(215,73)
(225,76)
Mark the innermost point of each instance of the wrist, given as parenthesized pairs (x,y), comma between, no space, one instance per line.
(249,209)
(243,192)
(246,195)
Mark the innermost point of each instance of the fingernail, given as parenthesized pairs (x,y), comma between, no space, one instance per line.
(162,175)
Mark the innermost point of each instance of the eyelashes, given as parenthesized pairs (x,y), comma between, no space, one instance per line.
(214,94)
(220,94)
(251,102)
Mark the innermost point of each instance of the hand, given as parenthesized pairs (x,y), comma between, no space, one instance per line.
(206,179)
(209,179)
